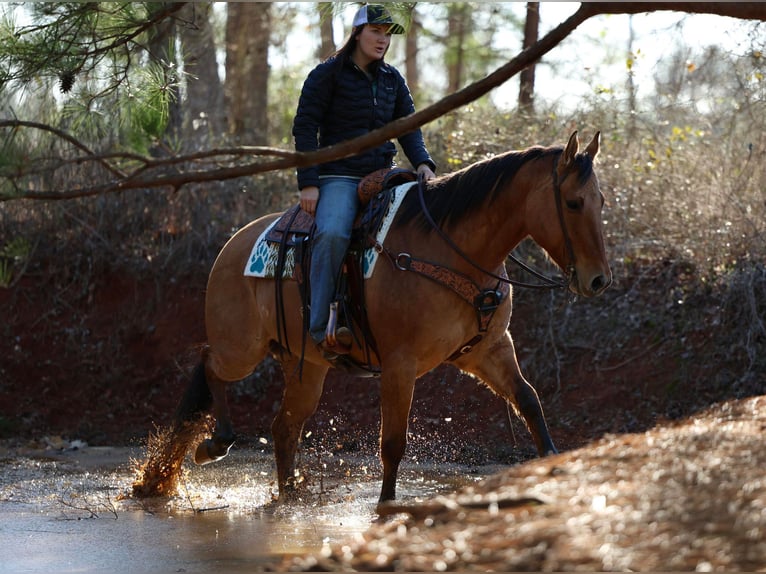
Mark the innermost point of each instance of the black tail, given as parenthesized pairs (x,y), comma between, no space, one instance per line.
(197,398)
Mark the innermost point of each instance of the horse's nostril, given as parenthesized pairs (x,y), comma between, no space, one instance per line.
(598,284)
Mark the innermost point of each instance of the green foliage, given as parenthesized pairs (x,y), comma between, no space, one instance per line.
(14,257)
(65,38)
(11,163)
(151,101)
(95,54)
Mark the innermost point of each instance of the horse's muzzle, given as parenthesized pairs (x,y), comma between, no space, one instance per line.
(598,284)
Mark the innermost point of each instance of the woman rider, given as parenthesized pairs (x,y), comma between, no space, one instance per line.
(350,94)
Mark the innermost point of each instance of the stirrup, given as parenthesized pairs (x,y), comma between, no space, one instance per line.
(337,340)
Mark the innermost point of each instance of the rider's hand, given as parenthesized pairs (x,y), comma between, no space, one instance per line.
(425,171)
(309,199)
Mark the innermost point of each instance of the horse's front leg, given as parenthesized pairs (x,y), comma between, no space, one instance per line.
(396,388)
(496,364)
(299,402)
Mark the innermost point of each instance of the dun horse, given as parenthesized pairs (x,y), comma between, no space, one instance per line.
(438,294)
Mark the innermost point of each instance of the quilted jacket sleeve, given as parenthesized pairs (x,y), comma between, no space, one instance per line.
(412,143)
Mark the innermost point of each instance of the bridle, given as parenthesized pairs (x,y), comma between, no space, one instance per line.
(547,282)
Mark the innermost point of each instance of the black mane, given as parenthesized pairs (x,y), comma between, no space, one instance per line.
(451,197)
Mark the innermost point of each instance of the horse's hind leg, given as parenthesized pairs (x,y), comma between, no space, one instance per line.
(300,400)
(166,449)
(498,367)
(217,446)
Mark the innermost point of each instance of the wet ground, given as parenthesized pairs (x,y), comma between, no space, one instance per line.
(63,509)
(687,495)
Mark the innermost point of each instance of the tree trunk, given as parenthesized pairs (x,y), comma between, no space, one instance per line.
(247,71)
(203,106)
(412,69)
(632,111)
(527,76)
(327,47)
(458,23)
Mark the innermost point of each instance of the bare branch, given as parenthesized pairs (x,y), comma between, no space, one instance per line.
(64,136)
(742,10)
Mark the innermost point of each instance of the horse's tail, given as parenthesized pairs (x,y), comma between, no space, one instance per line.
(166,449)
(196,399)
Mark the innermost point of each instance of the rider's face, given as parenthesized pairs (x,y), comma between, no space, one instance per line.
(372,43)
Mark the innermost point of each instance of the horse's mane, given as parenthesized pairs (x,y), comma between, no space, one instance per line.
(452,197)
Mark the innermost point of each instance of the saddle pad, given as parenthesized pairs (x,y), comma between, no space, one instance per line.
(263,257)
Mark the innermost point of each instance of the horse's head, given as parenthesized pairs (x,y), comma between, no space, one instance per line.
(576,240)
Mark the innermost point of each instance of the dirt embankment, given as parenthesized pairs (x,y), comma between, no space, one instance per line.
(689,496)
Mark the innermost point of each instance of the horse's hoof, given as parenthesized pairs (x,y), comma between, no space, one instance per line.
(208,451)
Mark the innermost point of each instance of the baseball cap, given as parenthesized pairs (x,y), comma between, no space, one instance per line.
(376,14)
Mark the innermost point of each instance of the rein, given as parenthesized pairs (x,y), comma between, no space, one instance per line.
(548,282)
(564,230)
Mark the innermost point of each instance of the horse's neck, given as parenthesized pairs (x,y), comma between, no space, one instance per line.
(488,235)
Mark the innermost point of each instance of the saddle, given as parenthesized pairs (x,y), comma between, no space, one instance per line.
(295,229)
(295,224)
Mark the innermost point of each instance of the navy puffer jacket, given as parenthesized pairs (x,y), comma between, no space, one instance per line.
(339,102)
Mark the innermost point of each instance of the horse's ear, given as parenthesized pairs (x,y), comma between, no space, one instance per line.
(592,149)
(571,151)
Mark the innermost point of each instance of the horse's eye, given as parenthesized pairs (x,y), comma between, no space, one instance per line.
(575,204)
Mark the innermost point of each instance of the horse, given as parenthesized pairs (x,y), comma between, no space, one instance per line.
(442,297)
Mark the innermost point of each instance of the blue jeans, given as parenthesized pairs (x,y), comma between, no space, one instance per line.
(335,213)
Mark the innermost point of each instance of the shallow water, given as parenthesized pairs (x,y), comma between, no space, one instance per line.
(67,511)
